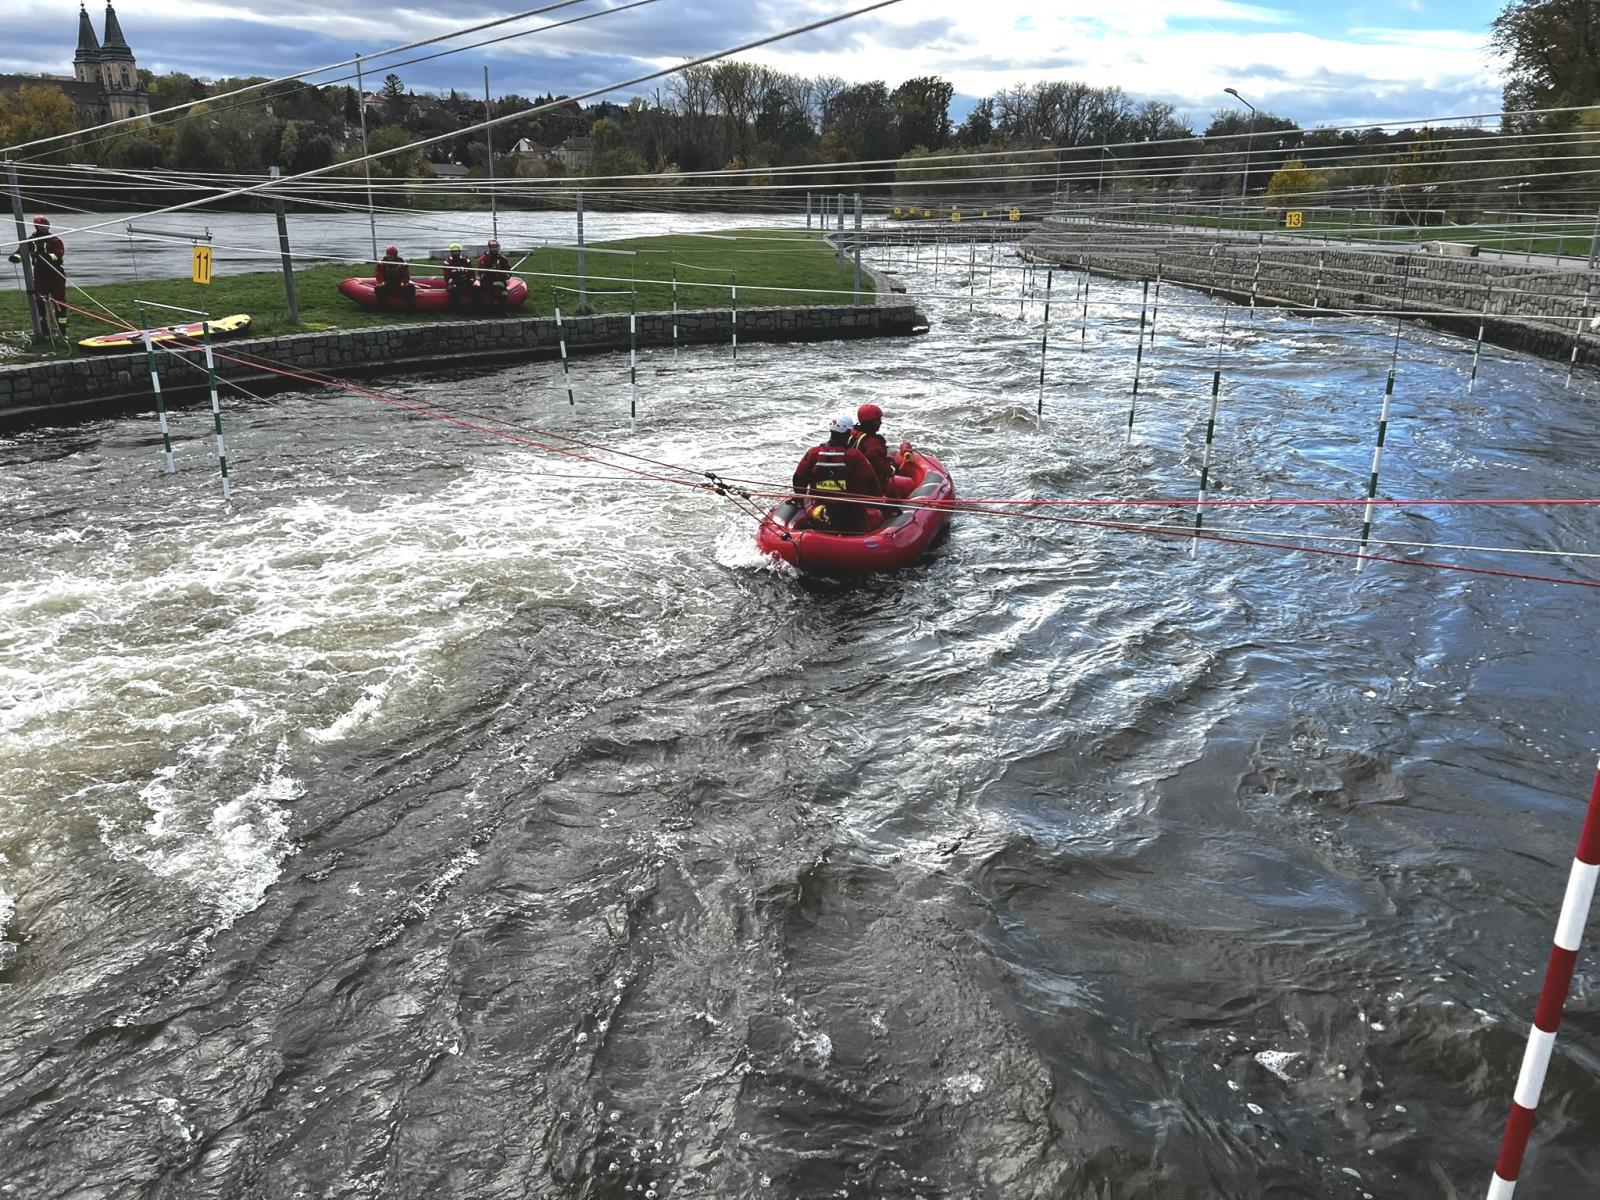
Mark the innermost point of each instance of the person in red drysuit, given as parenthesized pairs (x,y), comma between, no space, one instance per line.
(47,256)
(392,275)
(835,469)
(866,438)
(494,274)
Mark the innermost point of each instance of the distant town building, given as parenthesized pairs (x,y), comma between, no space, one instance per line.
(448,170)
(104,85)
(529,148)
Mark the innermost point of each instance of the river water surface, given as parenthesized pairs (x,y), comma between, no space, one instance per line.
(445,819)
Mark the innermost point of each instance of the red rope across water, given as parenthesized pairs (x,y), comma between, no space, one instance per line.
(512,431)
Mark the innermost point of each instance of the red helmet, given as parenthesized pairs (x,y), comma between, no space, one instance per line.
(869,414)
(41,220)
(390,250)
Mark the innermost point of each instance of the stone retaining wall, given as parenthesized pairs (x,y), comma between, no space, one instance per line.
(1523,306)
(47,391)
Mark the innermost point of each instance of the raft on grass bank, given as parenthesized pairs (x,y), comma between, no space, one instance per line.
(432,295)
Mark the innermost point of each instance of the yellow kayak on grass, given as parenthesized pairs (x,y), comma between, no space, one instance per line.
(189,332)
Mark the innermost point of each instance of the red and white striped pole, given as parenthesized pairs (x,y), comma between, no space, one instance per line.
(1552,999)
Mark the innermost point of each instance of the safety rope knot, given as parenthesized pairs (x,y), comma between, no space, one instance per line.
(723,488)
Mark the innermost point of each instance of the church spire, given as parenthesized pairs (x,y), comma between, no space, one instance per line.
(114,39)
(88,44)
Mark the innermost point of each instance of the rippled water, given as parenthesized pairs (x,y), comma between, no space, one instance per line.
(444,821)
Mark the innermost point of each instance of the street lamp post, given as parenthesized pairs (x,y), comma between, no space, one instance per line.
(1249,141)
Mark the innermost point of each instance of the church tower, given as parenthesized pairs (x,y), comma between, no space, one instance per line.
(86,62)
(119,74)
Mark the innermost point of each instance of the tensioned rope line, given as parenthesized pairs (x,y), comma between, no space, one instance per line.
(782,35)
(254,87)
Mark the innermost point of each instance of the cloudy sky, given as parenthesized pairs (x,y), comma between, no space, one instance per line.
(1312,61)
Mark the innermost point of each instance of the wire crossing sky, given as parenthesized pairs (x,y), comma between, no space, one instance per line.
(1311,62)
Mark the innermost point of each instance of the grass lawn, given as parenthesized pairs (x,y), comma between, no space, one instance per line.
(767,261)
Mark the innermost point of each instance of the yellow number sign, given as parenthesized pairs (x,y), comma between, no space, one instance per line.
(1015,214)
(927,212)
(897,212)
(1293,219)
(202,264)
(955,214)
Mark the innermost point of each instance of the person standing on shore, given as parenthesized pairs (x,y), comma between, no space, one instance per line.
(48,255)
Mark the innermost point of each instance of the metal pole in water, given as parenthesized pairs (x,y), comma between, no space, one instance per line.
(733,300)
(1316,299)
(1477,346)
(1577,331)
(1023,276)
(1211,433)
(1044,345)
(972,273)
(216,410)
(1553,992)
(1383,422)
(633,353)
(561,338)
(1255,279)
(155,383)
(989,285)
(1138,360)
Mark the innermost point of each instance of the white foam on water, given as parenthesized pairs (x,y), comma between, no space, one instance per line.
(965,1086)
(1277,1061)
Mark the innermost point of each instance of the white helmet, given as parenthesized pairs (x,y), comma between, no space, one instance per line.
(841,424)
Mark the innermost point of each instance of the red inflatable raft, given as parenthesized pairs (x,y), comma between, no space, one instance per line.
(901,540)
(432,296)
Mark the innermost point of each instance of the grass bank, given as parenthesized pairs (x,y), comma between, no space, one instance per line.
(773,267)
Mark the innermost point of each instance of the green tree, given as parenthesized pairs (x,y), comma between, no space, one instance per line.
(1291,183)
(922,112)
(392,96)
(1552,52)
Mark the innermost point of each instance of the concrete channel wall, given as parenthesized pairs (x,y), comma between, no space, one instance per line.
(72,388)
(1525,306)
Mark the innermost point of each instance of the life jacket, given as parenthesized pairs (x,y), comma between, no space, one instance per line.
(831,470)
(393,271)
(493,268)
(457,269)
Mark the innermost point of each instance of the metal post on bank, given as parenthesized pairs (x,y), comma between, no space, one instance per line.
(283,253)
(583,299)
(366,162)
(488,133)
(856,299)
(40,327)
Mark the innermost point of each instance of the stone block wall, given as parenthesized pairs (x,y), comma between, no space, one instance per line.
(57,390)
(1521,305)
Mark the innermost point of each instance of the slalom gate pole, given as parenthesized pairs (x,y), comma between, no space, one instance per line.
(1383,423)
(1316,298)
(1138,360)
(1044,345)
(1155,305)
(216,411)
(1255,280)
(1552,1000)
(733,301)
(155,383)
(1577,331)
(561,338)
(1022,291)
(1083,329)
(989,286)
(972,274)
(1477,346)
(633,354)
(675,292)
(1211,433)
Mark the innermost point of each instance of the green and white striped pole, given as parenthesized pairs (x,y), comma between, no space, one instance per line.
(1316,298)
(155,382)
(1211,433)
(674,312)
(1577,331)
(1383,422)
(1044,344)
(1083,329)
(561,338)
(216,410)
(1155,305)
(1477,346)
(733,300)
(1138,360)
